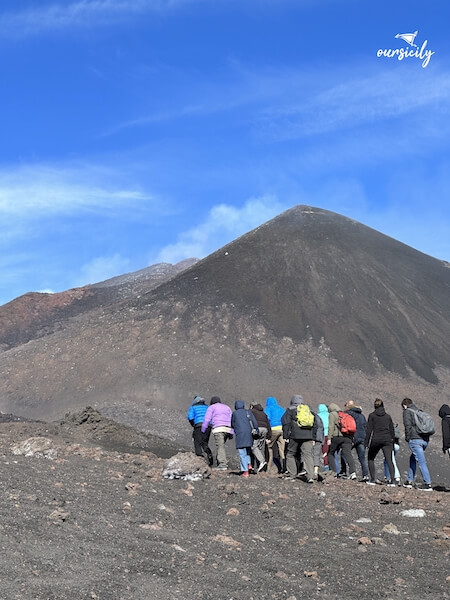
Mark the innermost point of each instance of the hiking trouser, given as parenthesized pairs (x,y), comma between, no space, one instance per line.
(387,451)
(220,437)
(276,438)
(317,454)
(303,449)
(259,446)
(201,442)
(344,444)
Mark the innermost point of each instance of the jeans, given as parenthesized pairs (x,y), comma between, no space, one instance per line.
(394,462)
(361,453)
(244,458)
(417,448)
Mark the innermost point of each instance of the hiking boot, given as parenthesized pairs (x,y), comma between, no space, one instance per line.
(302,472)
(244,474)
(352,476)
(310,480)
(408,484)
(391,484)
(364,479)
(397,481)
(220,468)
(369,482)
(261,466)
(425,487)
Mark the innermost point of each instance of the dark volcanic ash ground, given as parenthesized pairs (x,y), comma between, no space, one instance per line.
(98,522)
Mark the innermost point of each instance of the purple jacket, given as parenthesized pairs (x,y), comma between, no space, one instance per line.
(219,415)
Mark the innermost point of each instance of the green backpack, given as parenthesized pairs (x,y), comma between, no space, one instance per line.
(305,418)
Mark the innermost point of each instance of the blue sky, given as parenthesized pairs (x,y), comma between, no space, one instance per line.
(142,131)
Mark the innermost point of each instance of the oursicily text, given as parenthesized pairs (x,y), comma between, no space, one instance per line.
(401,53)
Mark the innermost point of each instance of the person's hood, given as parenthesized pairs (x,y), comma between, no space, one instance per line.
(215,400)
(258,407)
(239,404)
(322,408)
(356,409)
(444,411)
(380,412)
(333,407)
(198,400)
(271,401)
(296,400)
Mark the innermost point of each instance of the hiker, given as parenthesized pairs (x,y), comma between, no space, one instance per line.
(319,439)
(444,413)
(301,438)
(417,443)
(322,411)
(274,413)
(380,436)
(339,441)
(195,416)
(397,436)
(219,416)
(243,422)
(259,444)
(359,437)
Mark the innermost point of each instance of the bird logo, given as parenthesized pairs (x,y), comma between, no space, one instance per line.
(408,38)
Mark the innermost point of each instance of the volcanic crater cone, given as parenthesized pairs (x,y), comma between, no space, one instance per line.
(308,292)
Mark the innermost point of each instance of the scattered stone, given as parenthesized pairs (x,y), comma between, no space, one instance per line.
(312,574)
(132,488)
(188,490)
(126,506)
(302,541)
(282,575)
(58,516)
(364,520)
(228,541)
(39,447)
(391,528)
(187,466)
(152,526)
(378,541)
(233,512)
(365,541)
(413,512)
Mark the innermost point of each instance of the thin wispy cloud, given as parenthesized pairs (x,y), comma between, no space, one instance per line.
(83,13)
(223,224)
(40,189)
(101,268)
(355,102)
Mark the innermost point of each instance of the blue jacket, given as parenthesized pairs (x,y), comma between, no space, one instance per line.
(196,412)
(274,412)
(324,415)
(243,421)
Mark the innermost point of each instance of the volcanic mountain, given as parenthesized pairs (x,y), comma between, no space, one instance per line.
(37,314)
(311,302)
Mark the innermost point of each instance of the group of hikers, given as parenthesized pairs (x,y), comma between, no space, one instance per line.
(301,443)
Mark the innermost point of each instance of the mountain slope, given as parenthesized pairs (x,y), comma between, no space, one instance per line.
(310,302)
